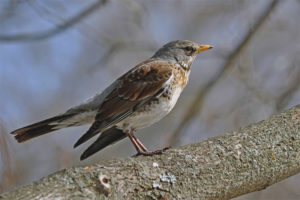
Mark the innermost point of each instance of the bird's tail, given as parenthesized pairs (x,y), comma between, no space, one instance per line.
(106,138)
(40,128)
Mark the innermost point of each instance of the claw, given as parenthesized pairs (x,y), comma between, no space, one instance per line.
(151,153)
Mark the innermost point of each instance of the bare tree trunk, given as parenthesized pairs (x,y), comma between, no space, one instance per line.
(223,167)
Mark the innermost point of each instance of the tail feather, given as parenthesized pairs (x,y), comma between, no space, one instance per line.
(108,137)
(93,130)
(39,128)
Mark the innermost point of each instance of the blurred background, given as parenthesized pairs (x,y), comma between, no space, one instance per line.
(55,54)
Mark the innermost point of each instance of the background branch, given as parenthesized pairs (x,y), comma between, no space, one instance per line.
(284,98)
(26,37)
(196,105)
(7,176)
(222,167)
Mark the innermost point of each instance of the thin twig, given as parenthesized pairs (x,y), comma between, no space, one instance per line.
(196,106)
(25,37)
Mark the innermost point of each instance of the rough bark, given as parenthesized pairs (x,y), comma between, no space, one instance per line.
(223,167)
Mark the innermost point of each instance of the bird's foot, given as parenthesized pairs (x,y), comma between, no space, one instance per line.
(151,153)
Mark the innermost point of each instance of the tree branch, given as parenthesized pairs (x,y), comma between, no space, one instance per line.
(223,167)
(25,37)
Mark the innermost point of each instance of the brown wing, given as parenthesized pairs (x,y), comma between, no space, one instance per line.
(142,82)
(136,87)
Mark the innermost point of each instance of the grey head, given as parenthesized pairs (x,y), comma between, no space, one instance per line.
(183,52)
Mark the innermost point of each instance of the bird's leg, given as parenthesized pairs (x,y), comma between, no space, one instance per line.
(134,142)
(149,153)
(141,149)
(140,144)
(146,152)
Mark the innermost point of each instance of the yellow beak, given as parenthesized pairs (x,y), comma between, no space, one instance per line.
(203,48)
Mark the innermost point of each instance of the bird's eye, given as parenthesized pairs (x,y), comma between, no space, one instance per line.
(189,49)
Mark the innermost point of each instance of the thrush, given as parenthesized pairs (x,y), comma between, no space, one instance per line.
(139,98)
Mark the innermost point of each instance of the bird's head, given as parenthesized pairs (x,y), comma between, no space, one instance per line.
(183,52)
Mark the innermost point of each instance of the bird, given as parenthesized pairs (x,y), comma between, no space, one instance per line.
(137,99)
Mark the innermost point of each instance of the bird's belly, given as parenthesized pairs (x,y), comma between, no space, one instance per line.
(146,116)
(150,112)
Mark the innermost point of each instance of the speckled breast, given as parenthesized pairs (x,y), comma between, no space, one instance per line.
(158,107)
